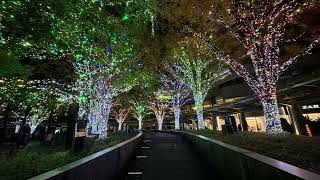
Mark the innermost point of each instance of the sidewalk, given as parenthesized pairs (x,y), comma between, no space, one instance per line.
(164,156)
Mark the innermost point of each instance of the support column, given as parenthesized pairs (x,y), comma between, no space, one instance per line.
(72,119)
(214,122)
(297,119)
(243,122)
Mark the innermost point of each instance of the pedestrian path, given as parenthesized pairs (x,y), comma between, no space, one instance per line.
(163,156)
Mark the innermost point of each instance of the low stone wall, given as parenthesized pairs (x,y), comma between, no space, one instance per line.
(103,165)
(231,162)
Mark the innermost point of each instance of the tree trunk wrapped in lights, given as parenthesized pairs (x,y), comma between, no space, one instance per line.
(159,108)
(101,104)
(105,109)
(140,110)
(199,109)
(105,76)
(261,29)
(200,71)
(176,112)
(178,91)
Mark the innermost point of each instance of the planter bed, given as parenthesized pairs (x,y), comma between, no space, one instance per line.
(40,158)
(301,151)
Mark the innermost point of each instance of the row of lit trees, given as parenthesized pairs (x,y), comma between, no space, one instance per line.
(233,32)
(97,40)
(257,28)
(105,50)
(139,111)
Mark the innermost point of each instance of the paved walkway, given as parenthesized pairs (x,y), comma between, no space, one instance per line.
(164,156)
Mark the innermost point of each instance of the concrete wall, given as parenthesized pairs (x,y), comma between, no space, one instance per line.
(231,162)
(103,165)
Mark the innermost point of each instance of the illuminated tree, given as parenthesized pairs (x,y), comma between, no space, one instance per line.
(34,99)
(36,117)
(104,57)
(16,91)
(140,110)
(93,33)
(120,116)
(159,107)
(200,71)
(260,27)
(178,91)
(10,67)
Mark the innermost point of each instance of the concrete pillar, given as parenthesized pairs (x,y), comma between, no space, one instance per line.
(214,122)
(243,122)
(297,119)
(71,125)
(218,123)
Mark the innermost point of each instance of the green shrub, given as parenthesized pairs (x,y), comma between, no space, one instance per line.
(38,159)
